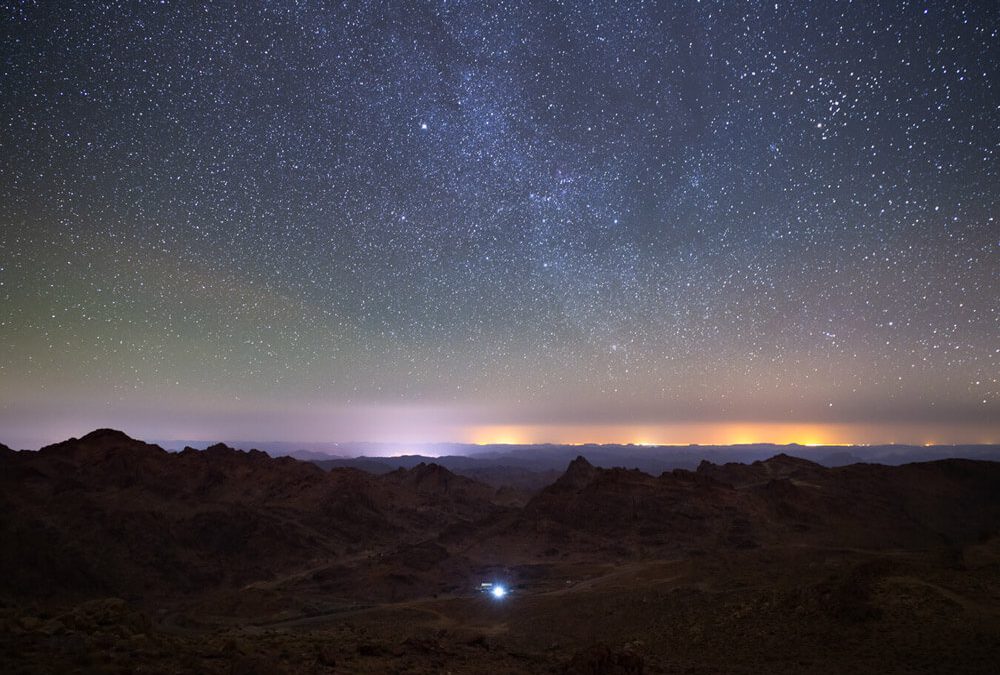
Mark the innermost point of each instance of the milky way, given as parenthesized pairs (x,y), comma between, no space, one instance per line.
(561,220)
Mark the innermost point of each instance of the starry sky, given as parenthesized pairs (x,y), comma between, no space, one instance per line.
(657,222)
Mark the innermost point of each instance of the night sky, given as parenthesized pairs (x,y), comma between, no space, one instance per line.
(524,221)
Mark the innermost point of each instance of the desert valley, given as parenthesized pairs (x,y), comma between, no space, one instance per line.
(118,556)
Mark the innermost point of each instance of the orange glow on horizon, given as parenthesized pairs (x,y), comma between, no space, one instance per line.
(703,433)
(499,435)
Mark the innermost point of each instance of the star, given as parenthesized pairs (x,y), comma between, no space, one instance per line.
(628,215)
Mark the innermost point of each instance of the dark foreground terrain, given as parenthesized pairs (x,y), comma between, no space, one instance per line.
(117,556)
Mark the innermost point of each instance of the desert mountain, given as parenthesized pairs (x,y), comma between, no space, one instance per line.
(109,514)
(116,552)
(917,505)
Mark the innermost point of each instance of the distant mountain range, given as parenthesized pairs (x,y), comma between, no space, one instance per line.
(533,466)
(115,552)
(82,514)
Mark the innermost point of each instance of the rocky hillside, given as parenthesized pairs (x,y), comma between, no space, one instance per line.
(107,514)
(783,499)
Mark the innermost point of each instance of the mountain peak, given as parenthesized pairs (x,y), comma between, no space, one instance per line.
(107,436)
(705,466)
(430,475)
(219,449)
(100,444)
(783,459)
(429,468)
(578,474)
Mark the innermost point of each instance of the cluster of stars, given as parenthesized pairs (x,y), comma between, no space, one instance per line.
(698,210)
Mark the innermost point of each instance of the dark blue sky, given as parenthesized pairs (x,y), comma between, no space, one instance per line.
(563,221)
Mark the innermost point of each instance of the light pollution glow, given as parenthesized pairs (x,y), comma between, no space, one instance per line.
(26,425)
(593,223)
(403,430)
(727,433)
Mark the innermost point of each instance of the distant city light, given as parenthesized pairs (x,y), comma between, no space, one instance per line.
(498,591)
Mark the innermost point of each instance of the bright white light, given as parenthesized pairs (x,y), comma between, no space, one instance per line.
(498,591)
